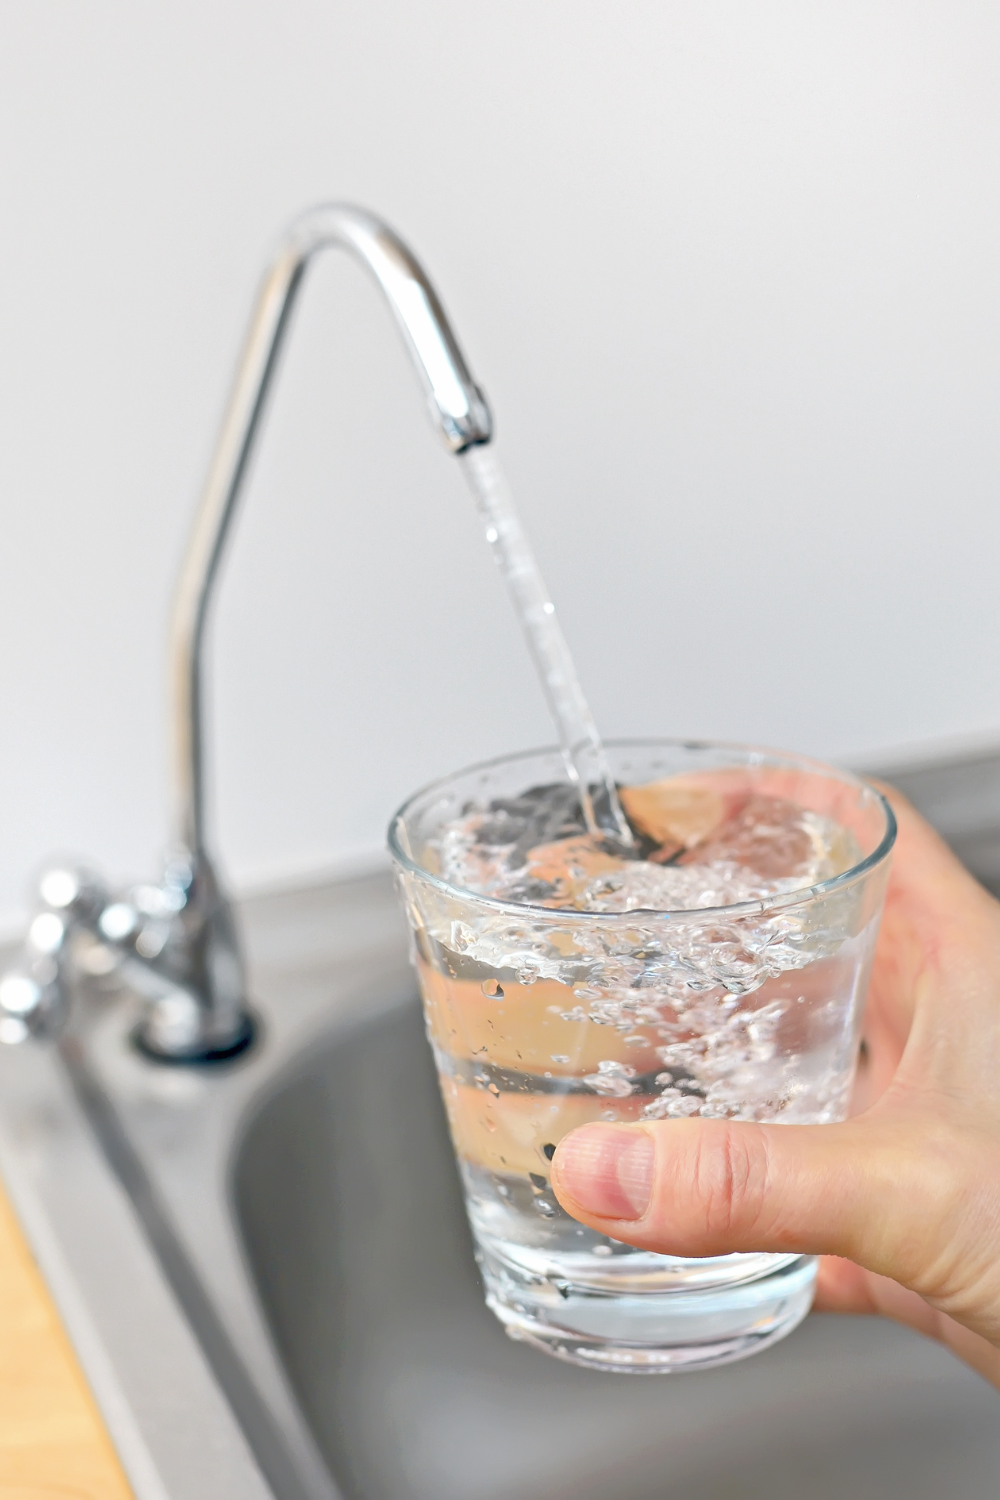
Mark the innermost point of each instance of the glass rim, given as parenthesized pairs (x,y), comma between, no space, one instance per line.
(767,755)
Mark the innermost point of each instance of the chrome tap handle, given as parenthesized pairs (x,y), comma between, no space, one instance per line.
(173,942)
(35,995)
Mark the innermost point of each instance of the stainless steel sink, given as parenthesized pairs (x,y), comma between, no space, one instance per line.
(305,1216)
(352,1218)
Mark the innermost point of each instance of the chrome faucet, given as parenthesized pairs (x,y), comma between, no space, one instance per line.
(176,941)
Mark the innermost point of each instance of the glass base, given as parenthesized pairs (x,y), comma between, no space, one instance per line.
(648,1333)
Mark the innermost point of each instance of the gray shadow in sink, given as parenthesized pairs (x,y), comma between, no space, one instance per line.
(352,1218)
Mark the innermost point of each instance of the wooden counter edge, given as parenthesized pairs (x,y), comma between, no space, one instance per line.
(53,1442)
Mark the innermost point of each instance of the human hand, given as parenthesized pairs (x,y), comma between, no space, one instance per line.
(903,1199)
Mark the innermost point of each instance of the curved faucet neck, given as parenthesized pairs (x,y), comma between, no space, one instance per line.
(456,403)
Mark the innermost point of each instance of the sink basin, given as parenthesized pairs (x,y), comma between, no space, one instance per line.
(352,1217)
(305,1212)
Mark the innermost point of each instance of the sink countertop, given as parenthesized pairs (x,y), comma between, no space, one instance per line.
(105,1392)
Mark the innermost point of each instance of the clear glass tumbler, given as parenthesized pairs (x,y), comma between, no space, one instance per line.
(542,1019)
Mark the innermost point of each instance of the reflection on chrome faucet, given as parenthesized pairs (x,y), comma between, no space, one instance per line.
(176,940)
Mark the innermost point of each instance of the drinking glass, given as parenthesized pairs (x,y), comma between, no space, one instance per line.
(542,1019)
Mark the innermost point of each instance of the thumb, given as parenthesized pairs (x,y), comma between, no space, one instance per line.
(712,1187)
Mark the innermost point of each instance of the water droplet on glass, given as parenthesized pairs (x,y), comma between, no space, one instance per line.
(492,988)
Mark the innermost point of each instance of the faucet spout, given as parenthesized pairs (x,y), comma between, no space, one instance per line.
(456,403)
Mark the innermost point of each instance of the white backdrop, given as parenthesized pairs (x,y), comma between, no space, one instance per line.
(730,274)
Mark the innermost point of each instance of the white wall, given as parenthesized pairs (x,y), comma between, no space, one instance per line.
(729,272)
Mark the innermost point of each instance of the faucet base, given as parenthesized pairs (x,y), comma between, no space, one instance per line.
(205,1054)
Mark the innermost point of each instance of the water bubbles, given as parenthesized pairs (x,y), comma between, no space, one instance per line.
(672,1105)
(682,1054)
(687,1104)
(462,936)
(675,987)
(612,1078)
(602,1250)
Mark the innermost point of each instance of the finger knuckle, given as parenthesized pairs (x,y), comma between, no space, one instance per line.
(730,1178)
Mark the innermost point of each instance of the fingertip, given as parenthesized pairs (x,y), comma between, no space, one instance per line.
(605,1171)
